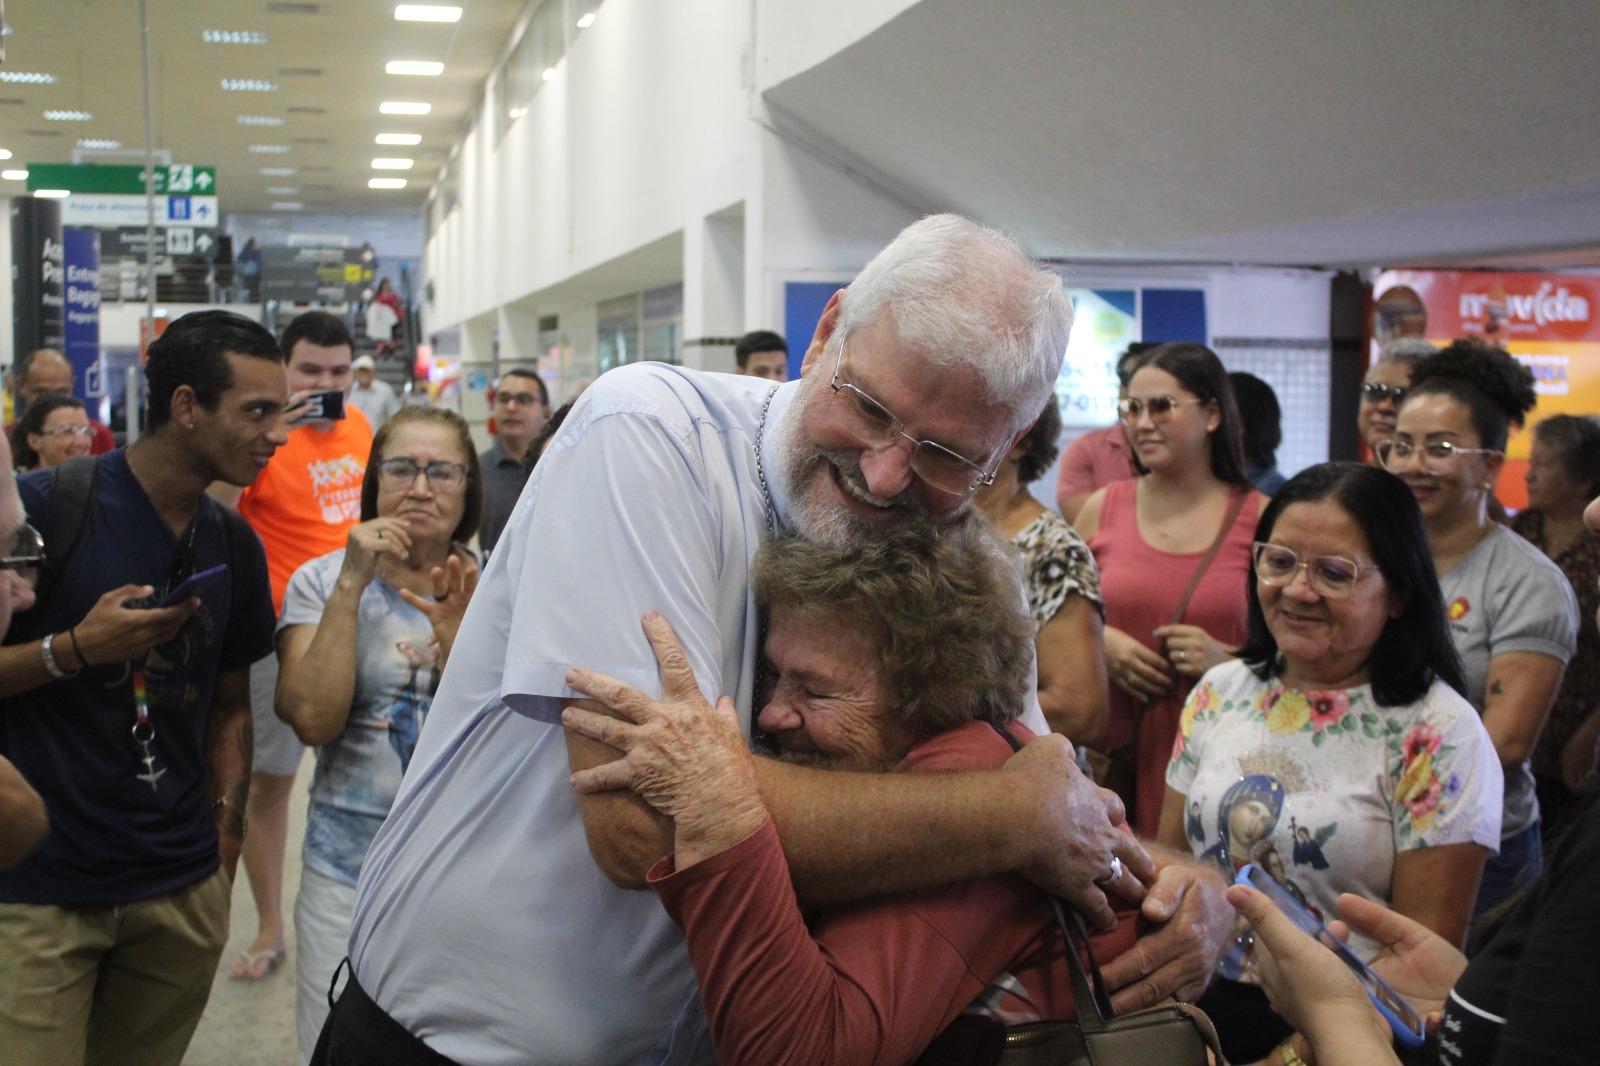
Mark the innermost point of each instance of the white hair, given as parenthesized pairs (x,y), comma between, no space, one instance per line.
(965,294)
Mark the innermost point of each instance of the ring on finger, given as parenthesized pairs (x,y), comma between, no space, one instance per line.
(1178,656)
(1114,872)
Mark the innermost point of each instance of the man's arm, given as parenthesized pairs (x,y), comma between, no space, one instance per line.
(230,752)
(23,823)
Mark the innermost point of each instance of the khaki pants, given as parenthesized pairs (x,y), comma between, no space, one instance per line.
(104,985)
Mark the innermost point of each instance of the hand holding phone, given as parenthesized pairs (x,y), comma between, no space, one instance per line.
(325,406)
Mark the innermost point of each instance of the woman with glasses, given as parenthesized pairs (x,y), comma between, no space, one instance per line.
(1385,386)
(53,429)
(363,637)
(1513,616)
(1338,747)
(1173,548)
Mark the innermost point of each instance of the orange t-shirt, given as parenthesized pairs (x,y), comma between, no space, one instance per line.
(309,496)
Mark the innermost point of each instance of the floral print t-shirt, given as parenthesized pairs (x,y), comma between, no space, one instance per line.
(1323,789)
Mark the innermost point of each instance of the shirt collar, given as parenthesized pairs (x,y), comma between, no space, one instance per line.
(772,450)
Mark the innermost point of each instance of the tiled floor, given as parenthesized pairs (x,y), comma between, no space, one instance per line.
(252,1024)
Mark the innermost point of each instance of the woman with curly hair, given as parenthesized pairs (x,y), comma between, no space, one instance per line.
(1062,582)
(1512,614)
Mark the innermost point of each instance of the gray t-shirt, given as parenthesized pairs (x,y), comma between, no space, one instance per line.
(1506,596)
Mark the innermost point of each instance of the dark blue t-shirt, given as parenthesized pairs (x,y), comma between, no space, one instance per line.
(113,837)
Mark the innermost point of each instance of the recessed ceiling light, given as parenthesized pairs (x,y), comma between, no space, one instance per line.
(52,194)
(427,13)
(277,172)
(13,175)
(5,153)
(99,143)
(282,190)
(269,149)
(404,107)
(516,112)
(248,85)
(391,164)
(549,72)
(420,68)
(287,205)
(232,37)
(586,21)
(260,120)
(398,138)
(68,116)
(386,183)
(27,77)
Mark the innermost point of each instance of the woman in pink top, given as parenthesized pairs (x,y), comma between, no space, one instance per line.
(1149,537)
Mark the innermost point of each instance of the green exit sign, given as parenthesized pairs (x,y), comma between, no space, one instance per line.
(122,180)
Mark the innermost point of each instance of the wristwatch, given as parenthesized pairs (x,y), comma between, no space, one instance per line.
(50,663)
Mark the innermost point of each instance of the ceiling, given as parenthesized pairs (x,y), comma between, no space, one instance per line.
(326,57)
(1343,134)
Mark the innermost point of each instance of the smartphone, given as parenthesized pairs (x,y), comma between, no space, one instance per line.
(325,406)
(1406,1024)
(193,586)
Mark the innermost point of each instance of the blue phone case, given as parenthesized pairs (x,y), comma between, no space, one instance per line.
(1378,990)
(194,584)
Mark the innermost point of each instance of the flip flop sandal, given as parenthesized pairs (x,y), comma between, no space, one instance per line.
(252,968)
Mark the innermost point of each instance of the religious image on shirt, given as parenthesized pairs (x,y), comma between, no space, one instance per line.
(411,703)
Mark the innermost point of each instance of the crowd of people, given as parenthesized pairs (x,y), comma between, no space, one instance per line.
(763,717)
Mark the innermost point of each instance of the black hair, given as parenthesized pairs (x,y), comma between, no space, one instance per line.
(1576,441)
(24,457)
(762,340)
(1131,359)
(1039,444)
(1200,372)
(542,438)
(1260,418)
(1414,648)
(531,375)
(318,327)
(1495,388)
(194,351)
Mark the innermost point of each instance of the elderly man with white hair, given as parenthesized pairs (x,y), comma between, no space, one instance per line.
(494,921)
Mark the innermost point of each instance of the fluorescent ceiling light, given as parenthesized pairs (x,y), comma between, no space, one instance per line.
(232,37)
(277,172)
(586,21)
(52,194)
(421,68)
(248,85)
(549,72)
(68,116)
(27,77)
(282,190)
(387,138)
(269,149)
(517,112)
(403,107)
(260,120)
(5,153)
(287,205)
(391,164)
(386,183)
(13,175)
(427,13)
(101,143)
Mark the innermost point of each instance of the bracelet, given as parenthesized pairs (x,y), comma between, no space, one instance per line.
(77,649)
(1288,1054)
(50,663)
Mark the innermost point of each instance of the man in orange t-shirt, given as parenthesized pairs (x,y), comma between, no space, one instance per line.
(302,506)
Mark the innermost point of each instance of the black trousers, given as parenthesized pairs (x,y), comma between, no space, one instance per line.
(359,1033)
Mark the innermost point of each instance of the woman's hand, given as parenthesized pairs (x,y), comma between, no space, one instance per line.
(1308,985)
(681,755)
(453,585)
(1134,668)
(1418,963)
(1191,649)
(371,541)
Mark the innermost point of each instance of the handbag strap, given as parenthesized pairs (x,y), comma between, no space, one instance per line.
(1235,504)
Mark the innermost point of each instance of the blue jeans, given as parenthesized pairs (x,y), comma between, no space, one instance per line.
(1516,867)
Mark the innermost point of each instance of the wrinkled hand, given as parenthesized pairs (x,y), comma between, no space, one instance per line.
(1076,831)
(453,585)
(113,633)
(1134,668)
(1418,963)
(1307,984)
(1191,650)
(681,755)
(1177,958)
(369,542)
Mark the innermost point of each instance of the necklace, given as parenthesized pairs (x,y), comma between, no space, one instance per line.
(761,470)
(144,730)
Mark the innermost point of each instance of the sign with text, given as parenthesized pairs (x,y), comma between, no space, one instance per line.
(184,178)
(82,325)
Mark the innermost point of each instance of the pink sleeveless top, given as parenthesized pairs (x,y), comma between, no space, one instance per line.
(1141,586)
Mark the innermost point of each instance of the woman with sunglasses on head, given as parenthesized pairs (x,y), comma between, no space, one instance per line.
(362,642)
(52,430)
(1338,745)
(1173,548)
(1512,614)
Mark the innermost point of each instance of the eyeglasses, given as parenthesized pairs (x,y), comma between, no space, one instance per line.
(872,424)
(68,431)
(522,399)
(1377,392)
(1329,575)
(26,556)
(1160,407)
(1394,452)
(402,470)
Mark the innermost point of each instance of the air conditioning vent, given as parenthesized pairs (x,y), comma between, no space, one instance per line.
(306,110)
(299,72)
(283,7)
